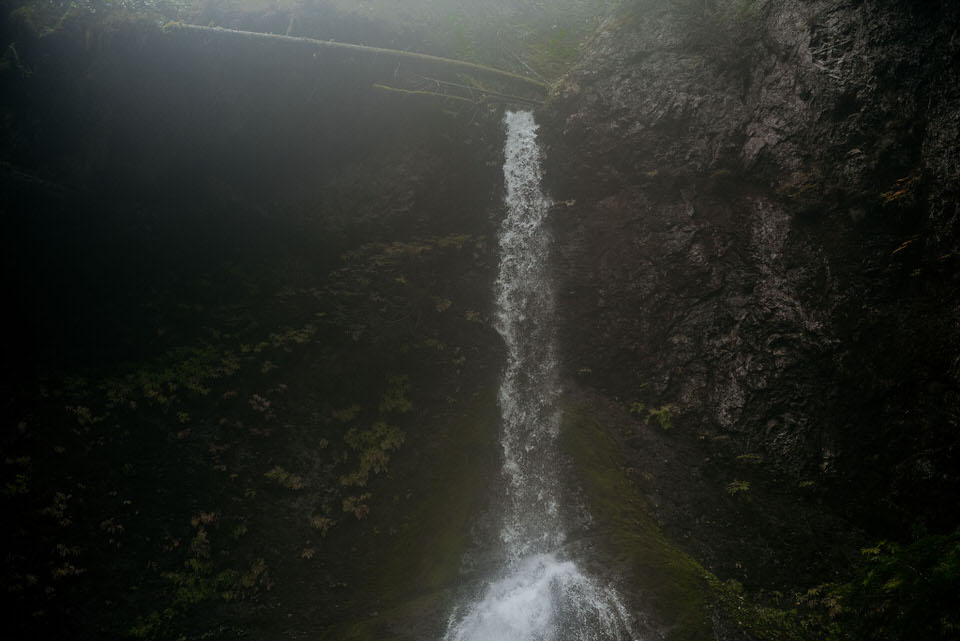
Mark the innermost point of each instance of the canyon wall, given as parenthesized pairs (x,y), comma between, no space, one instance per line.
(756,218)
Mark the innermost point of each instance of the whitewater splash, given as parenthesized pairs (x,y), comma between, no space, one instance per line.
(539,595)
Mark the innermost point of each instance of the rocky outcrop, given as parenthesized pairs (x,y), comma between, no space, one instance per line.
(757,228)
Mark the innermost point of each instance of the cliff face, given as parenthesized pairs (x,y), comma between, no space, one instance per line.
(250,301)
(757,229)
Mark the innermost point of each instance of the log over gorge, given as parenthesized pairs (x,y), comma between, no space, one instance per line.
(391,63)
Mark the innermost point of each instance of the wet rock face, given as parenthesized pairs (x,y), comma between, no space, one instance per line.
(756,225)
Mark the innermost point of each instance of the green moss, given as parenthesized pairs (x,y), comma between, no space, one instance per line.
(436,522)
(417,533)
(678,592)
(671,584)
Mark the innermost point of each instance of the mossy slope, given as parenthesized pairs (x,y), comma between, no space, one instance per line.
(411,553)
(680,597)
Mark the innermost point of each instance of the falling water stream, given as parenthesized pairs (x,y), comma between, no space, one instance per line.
(539,594)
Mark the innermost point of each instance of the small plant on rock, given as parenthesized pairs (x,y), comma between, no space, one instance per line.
(735,487)
(662,415)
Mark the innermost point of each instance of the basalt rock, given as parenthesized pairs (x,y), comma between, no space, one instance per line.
(756,227)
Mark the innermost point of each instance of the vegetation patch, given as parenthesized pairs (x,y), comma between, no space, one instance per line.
(372,447)
(736,487)
(284,478)
(900,591)
(662,415)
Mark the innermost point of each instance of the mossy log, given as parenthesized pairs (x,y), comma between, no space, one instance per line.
(421,61)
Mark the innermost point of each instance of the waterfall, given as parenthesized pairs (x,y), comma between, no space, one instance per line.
(539,594)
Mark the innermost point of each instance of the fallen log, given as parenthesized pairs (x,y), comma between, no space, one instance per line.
(420,60)
(424,94)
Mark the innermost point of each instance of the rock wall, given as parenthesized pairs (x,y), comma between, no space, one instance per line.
(757,227)
(252,366)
